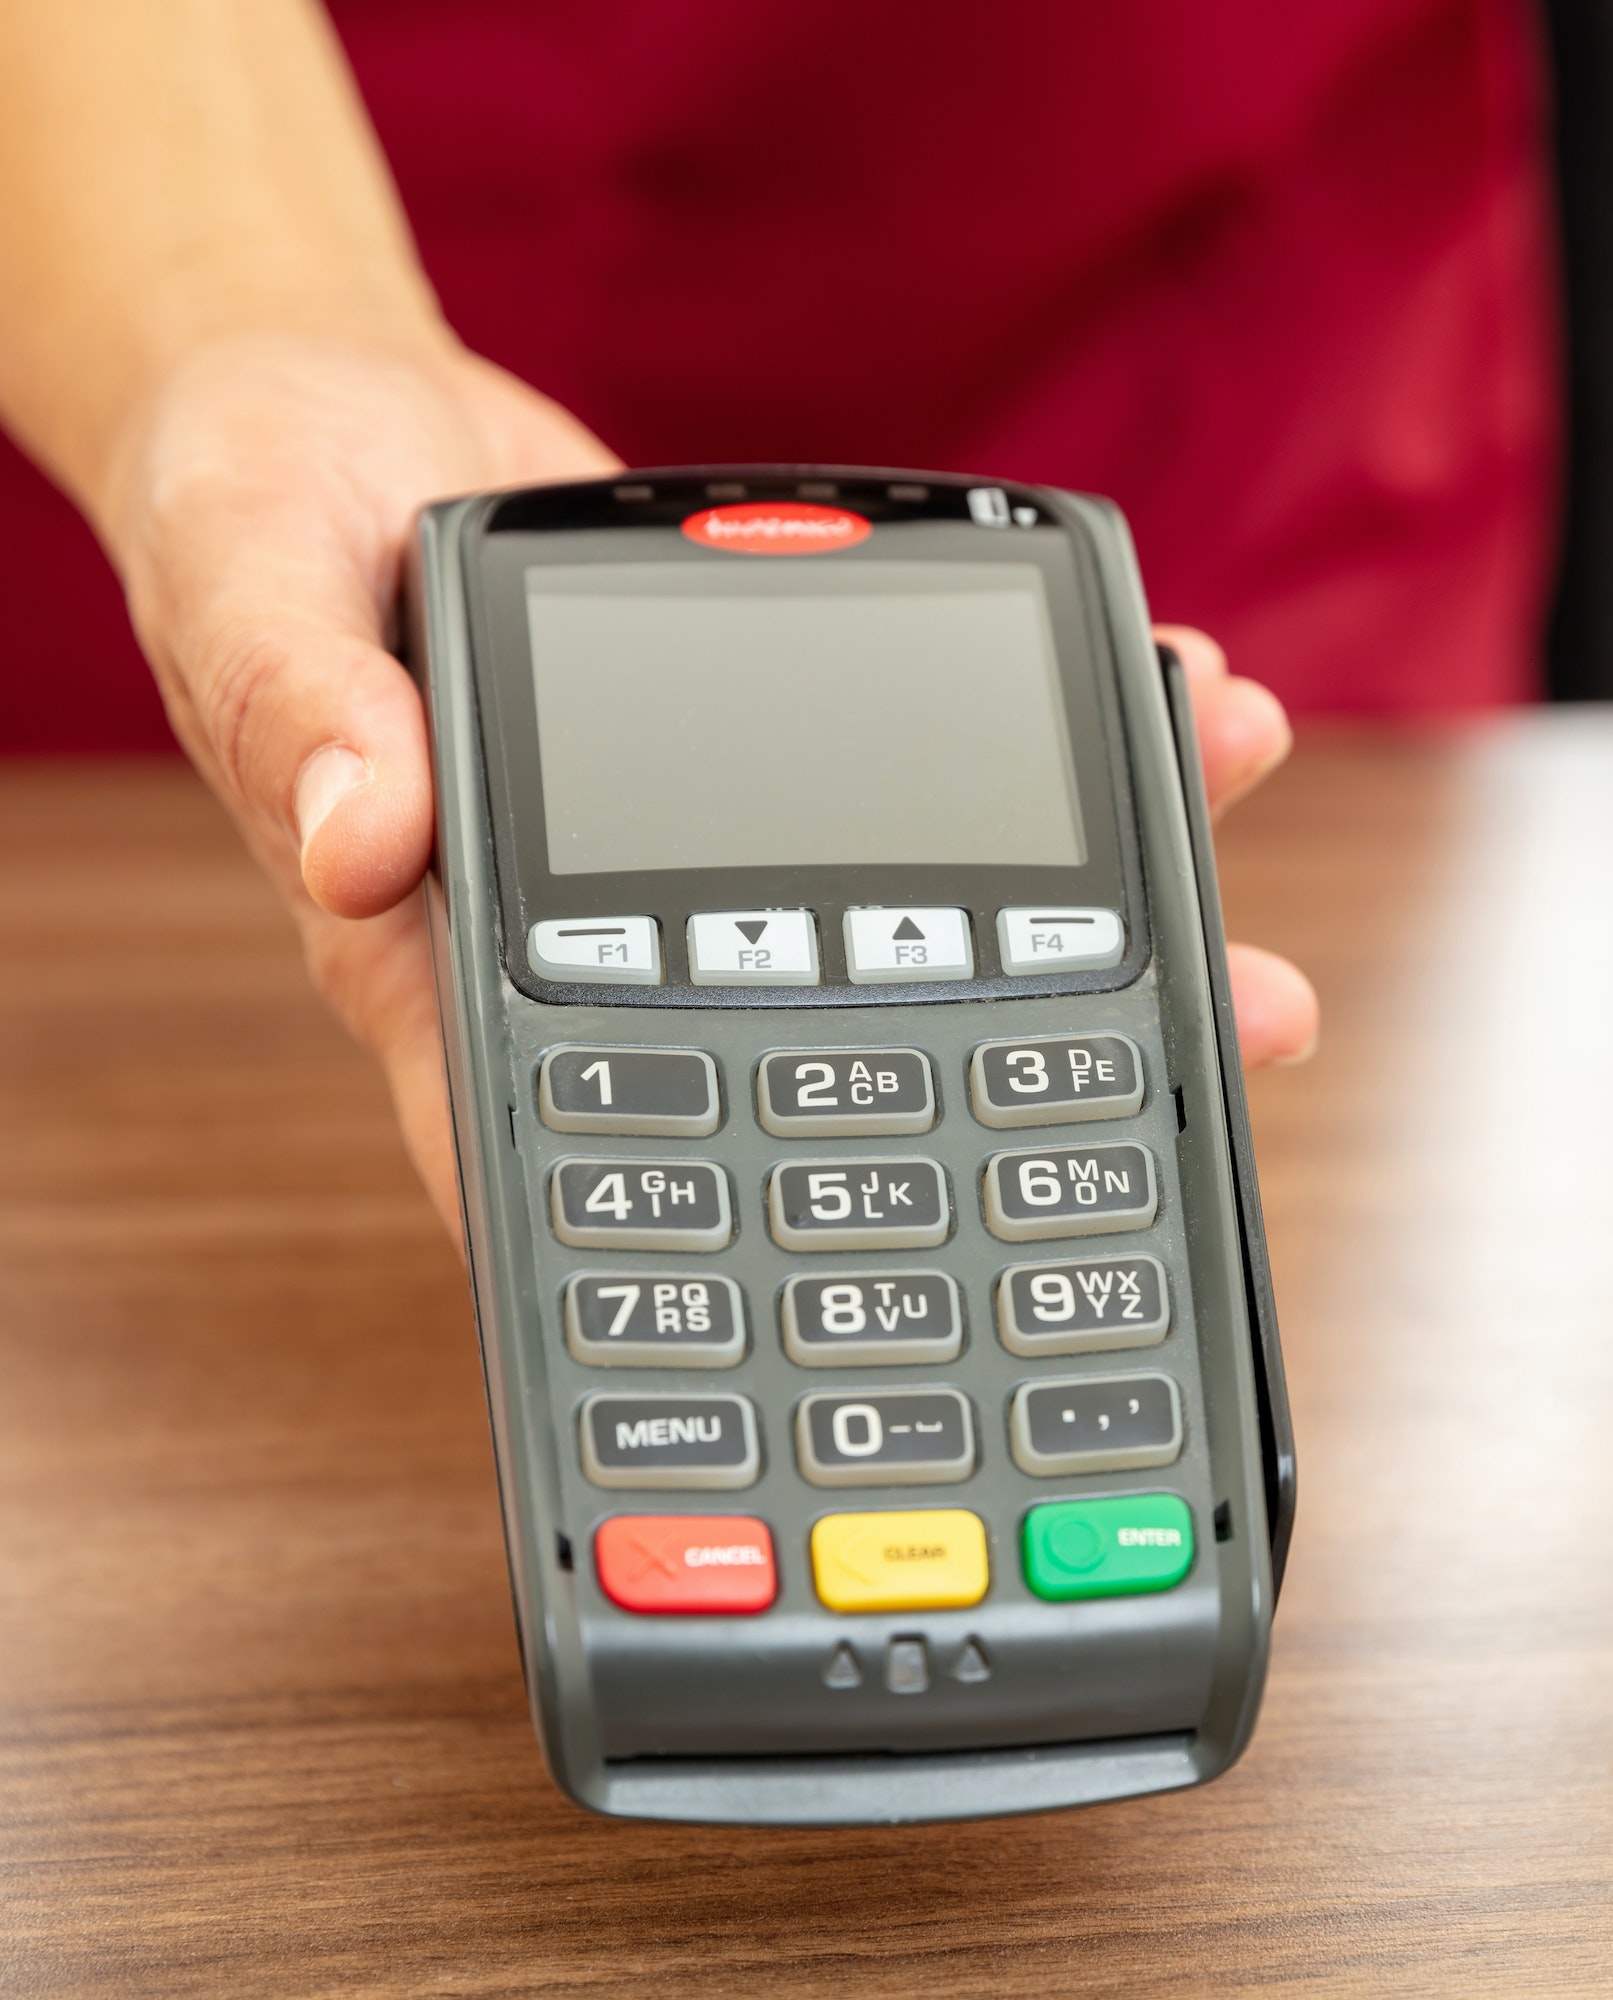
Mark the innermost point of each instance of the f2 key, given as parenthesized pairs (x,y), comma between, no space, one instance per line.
(1057,1081)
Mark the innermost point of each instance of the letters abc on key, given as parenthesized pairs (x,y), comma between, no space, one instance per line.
(845,1091)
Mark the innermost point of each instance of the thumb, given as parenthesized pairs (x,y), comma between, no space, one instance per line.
(318,733)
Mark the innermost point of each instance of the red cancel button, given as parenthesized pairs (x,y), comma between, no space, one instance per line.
(777,528)
(686,1562)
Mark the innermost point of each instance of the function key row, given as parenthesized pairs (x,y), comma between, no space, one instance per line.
(863,1319)
(838,1093)
(932,1559)
(866,1204)
(780,947)
(882,1437)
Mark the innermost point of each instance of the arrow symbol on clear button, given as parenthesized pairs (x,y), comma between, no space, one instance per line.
(751,930)
(907,929)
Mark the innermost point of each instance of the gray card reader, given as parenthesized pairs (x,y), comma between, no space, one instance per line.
(857,1184)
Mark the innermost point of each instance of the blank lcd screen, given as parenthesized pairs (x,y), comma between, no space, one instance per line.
(691,716)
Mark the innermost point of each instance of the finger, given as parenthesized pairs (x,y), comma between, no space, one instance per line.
(260,526)
(1242,730)
(377,978)
(318,732)
(1276,1007)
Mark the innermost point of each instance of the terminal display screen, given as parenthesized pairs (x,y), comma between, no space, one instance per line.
(691,717)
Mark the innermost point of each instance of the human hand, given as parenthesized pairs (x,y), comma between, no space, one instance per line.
(260,512)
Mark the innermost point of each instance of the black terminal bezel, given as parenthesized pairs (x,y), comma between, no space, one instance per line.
(637,517)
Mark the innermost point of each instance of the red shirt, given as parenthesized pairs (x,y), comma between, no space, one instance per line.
(1277,279)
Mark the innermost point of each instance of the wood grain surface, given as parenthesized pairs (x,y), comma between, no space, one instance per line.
(261,1722)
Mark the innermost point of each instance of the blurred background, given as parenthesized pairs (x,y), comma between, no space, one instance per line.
(1322,301)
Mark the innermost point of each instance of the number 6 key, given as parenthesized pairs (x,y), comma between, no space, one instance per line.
(1070,1191)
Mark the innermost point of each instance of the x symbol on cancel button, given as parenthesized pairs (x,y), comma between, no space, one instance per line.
(655,1555)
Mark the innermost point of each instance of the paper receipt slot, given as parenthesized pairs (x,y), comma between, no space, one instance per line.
(858,1194)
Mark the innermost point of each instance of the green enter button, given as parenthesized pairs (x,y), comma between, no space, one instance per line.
(1108,1548)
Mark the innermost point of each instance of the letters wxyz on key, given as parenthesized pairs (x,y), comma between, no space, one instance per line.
(1094,1302)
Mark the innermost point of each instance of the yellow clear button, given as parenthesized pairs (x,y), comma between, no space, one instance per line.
(933,1560)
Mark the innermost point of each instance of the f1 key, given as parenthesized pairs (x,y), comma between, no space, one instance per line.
(1056,1082)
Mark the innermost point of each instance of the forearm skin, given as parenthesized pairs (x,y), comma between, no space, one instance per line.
(173,171)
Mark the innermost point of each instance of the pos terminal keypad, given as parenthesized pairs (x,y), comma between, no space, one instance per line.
(780,1194)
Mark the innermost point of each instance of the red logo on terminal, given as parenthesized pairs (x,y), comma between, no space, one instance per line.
(777,528)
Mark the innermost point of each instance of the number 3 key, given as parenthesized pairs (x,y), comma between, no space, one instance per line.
(1056,1082)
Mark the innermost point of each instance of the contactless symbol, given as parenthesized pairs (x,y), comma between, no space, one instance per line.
(777,528)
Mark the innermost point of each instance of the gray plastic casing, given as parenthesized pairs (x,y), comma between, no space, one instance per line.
(731,1719)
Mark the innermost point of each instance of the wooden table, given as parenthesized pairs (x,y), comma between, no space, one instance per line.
(263,1723)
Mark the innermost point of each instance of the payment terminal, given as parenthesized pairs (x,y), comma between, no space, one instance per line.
(857,1185)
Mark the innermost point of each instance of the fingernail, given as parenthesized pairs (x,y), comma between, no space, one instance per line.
(323,782)
(1300,1055)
